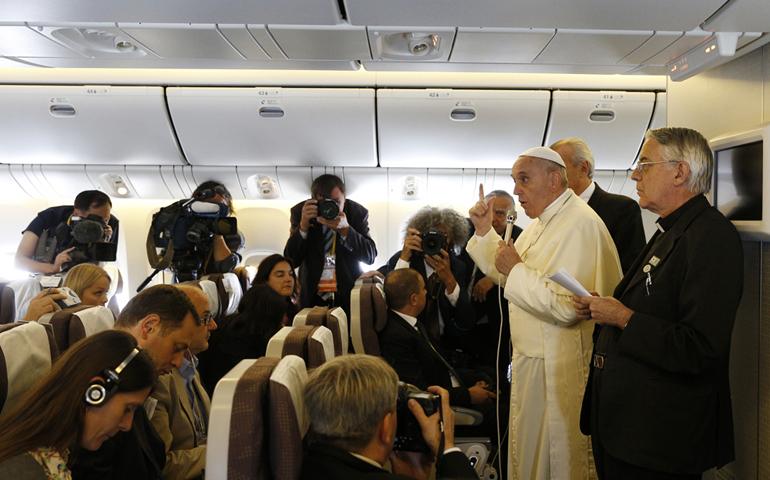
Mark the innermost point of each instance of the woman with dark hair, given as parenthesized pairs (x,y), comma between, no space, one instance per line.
(277,272)
(77,405)
(243,335)
(225,253)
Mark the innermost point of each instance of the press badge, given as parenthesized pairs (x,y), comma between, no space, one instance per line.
(328,281)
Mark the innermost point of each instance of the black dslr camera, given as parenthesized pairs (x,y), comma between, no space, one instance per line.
(408,431)
(87,235)
(328,208)
(432,242)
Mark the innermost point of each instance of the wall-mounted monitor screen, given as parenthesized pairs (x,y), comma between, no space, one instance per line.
(741,188)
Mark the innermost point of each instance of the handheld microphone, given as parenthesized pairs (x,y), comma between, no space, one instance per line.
(510,217)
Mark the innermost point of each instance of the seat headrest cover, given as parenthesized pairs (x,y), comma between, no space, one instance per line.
(292,373)
(96,319)
(27,352)
(380,307)
(233,289)
(210,289)
(324,336)
(275,344)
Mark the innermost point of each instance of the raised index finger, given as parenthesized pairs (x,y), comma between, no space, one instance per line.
(481,192)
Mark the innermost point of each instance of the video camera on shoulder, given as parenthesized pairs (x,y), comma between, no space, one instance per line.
(192,224)
(432,242)
(408,432)
(328,208)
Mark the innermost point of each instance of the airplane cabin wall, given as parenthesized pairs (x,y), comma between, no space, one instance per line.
(733,97)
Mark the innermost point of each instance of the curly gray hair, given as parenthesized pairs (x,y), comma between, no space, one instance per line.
(431,217)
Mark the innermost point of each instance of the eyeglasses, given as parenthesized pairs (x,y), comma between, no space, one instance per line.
(206,318)
(640,165)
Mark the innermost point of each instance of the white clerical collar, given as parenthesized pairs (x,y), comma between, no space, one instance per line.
(551,209)
(586,195)
(409,319)
(366,459)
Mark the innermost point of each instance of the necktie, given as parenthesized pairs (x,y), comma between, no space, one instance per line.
(431,307)
(328,237)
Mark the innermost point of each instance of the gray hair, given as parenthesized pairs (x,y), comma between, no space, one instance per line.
(348,396)
(549,167)
(686,145)
(580,153)
(430,217)
(500,193)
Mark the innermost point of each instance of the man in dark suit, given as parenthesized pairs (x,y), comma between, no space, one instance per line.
(351,401)
(659,388)
(329,252)
(448,314)
(619,213)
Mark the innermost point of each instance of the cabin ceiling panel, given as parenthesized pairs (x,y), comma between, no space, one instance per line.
(341,42)
(499,45)
(592,47)
(681,46)
(245,42)
(22,41)
(147,181)
(183,41)
(86,125)
(227,176)
(654,45)
(681,15)
(275,126)
(187,63)
(448,128)
(301,12)
(743,16)
(456,67)
(611,123)
(65,181)
(12,190)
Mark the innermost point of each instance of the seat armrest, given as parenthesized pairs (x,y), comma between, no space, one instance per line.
(466,416)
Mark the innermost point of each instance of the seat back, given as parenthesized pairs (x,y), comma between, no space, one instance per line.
(314,344)
(7,304)
(27,351)
(73,324)
(116,287)
(212,293)
(229,292)
(257,421)
(368,315)
(16,297)
(334,319)
(245,276)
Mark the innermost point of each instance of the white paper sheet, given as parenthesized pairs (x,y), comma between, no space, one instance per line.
(566,280)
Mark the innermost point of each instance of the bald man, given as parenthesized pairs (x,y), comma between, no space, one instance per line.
(181,415)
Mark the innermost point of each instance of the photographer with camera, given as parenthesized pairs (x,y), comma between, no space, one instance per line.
(353,402)
(432,241)
(328,240)
(198,236)
(61,237)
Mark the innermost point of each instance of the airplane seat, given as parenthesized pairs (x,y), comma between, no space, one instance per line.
(368,315)
(229,292)
(16,297)
(245,276)
(314,344)
(334,319)
(258,420)
(212,293)
(27,350)
(70,325)
(116,287)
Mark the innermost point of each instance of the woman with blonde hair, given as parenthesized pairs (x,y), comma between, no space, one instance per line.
(89,395)
(90,282)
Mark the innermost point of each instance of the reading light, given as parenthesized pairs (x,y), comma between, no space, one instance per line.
(411,187)
(262,187)
(114,184)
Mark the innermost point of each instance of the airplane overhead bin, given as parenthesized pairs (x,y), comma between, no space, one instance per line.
(448,128)
(86,125)
(612,123)
(275,126)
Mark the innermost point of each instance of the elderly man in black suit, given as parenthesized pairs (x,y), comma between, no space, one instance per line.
(658,388)
(329,252)
(351,401)
(619,213)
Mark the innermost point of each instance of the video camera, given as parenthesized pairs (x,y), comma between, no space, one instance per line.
(408,432)
(87,235)
(432,242)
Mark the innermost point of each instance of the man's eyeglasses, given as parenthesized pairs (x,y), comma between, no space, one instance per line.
(206,318)
(640,166)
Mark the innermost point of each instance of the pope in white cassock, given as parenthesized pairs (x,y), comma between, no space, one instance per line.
(551,347)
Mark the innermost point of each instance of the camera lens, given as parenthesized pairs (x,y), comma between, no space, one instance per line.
(328,209)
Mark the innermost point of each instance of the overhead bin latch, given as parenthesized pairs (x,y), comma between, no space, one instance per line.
(63,111)
(463,114)
(602,116)
(271,112)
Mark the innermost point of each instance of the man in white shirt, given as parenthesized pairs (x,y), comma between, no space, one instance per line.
(620,214)
(551,348)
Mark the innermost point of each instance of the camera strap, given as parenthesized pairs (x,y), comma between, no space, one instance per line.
(157,262)
(440,453)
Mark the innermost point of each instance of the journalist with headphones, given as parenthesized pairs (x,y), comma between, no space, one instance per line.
(90,394)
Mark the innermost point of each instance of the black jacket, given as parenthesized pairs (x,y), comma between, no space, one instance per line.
(623,219)
(326,462)
(662,400)
(308,254)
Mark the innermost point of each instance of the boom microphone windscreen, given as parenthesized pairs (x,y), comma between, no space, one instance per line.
(87,231)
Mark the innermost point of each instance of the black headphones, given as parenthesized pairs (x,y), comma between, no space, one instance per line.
(99,392)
